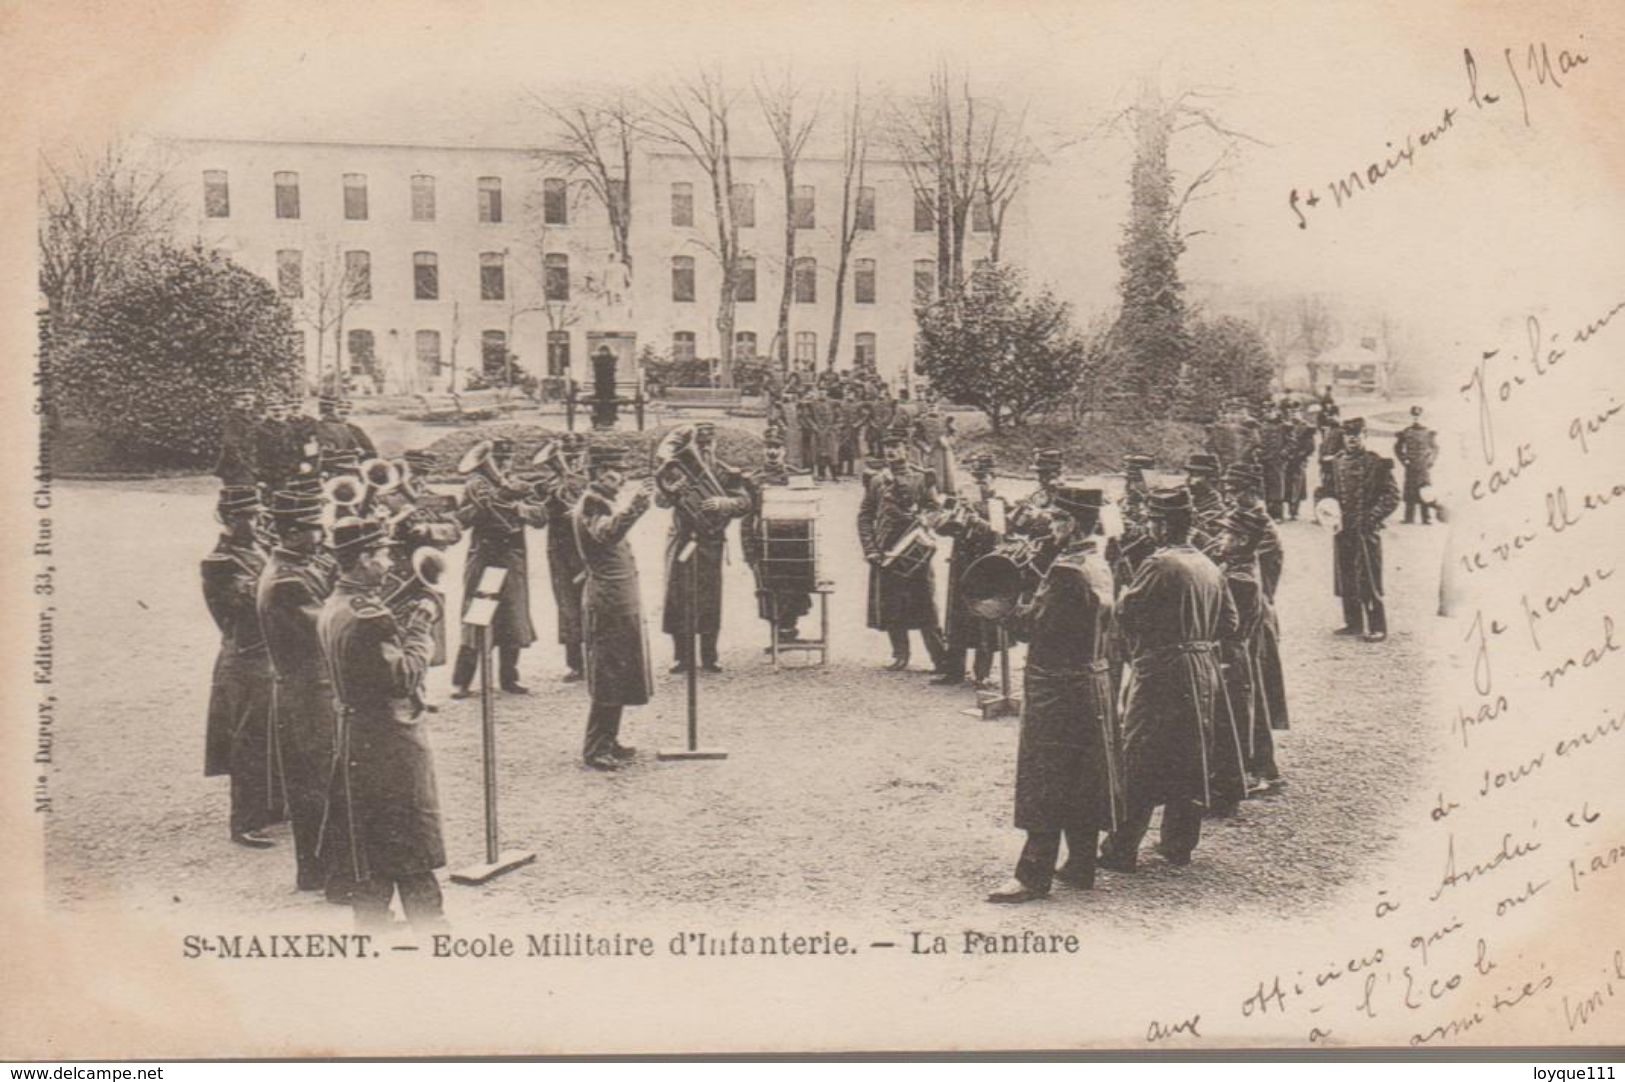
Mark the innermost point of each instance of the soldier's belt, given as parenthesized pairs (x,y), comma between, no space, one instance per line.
(1161,653)
(1090,669)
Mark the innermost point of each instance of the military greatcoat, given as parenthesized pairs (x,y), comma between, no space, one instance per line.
(1172,615)
(383,810)
(710,539)
(617,643)
(1067,759)
(1362,482)
(238,737)
(496,538)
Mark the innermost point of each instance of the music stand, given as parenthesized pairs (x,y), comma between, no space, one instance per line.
(693,751)
(481,611)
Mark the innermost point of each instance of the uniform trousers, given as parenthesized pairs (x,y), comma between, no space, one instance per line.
(953,661)
(468,663)
(682,648)
(934,645)
(1036,868)
(575,656)
(1181,830)
(1365,614)
(603,730)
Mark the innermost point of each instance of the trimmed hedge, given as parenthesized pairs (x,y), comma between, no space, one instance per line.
(735,446)
(1092,446)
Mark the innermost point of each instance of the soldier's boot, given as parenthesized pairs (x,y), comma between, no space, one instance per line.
(899,650)
(463,671)
(951,669)
(575,660)
(508,670)
(708,652)
(938,650)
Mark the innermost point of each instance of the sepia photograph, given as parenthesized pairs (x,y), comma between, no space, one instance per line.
(1072,528)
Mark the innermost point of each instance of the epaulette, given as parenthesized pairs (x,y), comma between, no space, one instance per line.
(367,607)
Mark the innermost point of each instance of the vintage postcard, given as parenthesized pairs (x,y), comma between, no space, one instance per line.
(542,529)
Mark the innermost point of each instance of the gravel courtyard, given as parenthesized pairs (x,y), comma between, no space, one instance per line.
(849,792)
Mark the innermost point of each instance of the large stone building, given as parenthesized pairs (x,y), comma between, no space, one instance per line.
(416,264)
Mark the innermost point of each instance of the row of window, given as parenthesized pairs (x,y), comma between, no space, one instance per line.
(357,281)
(363,350)
(556,202)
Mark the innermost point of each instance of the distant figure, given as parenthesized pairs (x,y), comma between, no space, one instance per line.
(1362,483)
(1417,448)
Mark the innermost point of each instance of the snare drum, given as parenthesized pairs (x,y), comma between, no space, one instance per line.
(912,553)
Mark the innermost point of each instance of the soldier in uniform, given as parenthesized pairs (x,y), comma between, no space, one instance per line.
(1232,766)
(1417,448)
(1202,479)
(824,423)
(973,538)
(782,608)
(238,740)
(1172,615)
(331,432)
(1272,440)
(235,466)
(882,413)
(850,412)
(1135,544)
(899,602)
(496,514)
(617,645)
(358,435)
(1028,516)
(1331,445)
(1298,449)
(412,526)
(1362,483)
(1244,488)
(1067,781)
(709,540)
(565,571)
(382,826)
(292,588)
(277,450)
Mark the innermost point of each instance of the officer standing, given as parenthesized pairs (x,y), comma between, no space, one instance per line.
(238,741)
(1172,615)
(382,825)
(1362,483)
(235,466)
(292,588)
(616,641)
(973,538)
(1066,777)
(781,608)
(1417,448)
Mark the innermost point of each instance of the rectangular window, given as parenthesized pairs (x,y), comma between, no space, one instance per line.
(863,349)
(863,281)
(682,277)
(493,277)
(358,275)
(287,195)
(490,199)
(422,198)
(555,201)
(806,280)
(558,352)
(618,197)
(682,203)
(216,194)
(742,197)
(428,354)
(745,279)
(925,280)
(425,276)
(925,211)
(556,276)
(682,346)
(744,345)
(363,353)
(806,347)
(290,274)
(494,352)
(981,215)
(866,209)
(803,208)
(355,197)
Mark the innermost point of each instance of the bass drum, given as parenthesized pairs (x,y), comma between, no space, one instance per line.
(789,555)
(993,583)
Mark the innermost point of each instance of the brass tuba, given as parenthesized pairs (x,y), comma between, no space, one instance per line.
(994,582)
(425,583)
(683,478)
(555,477)
(345,493)
(383,475)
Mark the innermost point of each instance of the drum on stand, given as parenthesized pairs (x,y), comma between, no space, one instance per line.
(789,539)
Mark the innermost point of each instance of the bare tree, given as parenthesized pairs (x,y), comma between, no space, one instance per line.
(854,156)
(779,101)
(98,212)
(1317,331)
(594,140)
(693,115)
(936,136)
(1004,159)
(327,291)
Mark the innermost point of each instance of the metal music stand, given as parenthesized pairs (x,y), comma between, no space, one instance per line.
(481,610)
(693,751)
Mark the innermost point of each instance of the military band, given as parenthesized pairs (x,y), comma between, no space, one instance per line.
(330,617)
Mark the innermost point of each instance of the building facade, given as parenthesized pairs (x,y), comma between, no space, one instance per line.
(412,266)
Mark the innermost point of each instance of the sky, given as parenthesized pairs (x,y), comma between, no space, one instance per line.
(1447,242)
